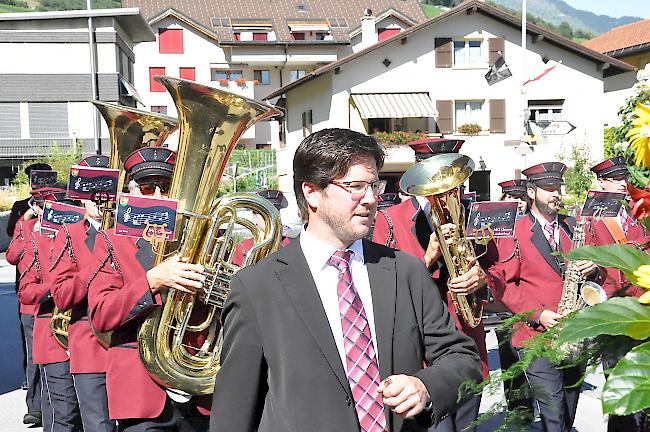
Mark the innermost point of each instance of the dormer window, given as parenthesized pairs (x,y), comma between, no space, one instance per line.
(302,8)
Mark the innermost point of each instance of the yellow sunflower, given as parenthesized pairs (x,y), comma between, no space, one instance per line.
(639,135)
(641,277)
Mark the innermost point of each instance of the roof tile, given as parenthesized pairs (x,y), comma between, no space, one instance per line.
(627,36)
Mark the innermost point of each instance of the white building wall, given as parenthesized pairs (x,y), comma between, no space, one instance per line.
(412,69)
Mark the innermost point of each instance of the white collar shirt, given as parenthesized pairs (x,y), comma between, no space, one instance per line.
(543,222)
(326,277)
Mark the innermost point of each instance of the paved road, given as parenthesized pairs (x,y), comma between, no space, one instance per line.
(12,398)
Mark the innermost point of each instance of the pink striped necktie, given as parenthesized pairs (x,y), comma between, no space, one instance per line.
(363,371)
(550,229)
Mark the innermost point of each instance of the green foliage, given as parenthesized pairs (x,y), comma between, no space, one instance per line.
(622,257)
(616,143)
(259,163)
(17,3)
(59,159)
(627,389)
(10,9)
(579,177)
(431,10)
(617,316)
(445,3)
(53,5)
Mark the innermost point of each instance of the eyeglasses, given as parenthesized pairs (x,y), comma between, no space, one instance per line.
(359,188)
(149,188)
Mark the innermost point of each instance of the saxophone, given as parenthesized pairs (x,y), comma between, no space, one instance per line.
(577,292)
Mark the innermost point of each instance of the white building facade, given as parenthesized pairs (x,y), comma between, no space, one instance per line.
(446,60)
(46,78)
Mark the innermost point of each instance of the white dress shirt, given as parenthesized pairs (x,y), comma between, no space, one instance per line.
(326,277)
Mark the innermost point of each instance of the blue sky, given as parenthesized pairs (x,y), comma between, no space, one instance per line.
(616,9)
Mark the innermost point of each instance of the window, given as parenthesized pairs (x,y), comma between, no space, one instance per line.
(306,123)
(467,53)
(546,110)
(226,74)
(10,120)
(188,73)
(263,77)
(302,8)
(155,86)
(220,22)
(468,112)
(298,35)
(334,22)
(48,120)
(170,41)
(296,74)
(260,36)
(385,33)
(159,109)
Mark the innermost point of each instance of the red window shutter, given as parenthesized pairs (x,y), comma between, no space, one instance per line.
(387,33)
(298,35)
(188,73)
(170,41)
(260,36)
(155,86)
(237,36)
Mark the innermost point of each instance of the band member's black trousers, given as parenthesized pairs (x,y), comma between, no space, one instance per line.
(461,420)
(167,421)
(555,393)
(93,402)
(33,374)
(63,399)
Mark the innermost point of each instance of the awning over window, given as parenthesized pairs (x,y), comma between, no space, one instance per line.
(394,105)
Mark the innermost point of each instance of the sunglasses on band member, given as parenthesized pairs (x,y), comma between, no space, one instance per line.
(149,187)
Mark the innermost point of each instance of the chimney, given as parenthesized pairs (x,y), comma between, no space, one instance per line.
(368,30)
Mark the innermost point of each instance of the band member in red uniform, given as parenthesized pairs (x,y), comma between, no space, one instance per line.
(35,289)
(531,278)
(73,252)
(515,190)
(15,254)
(124,290)
(407,227)
(613,176)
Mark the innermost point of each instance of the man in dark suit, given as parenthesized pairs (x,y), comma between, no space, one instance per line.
(311,331)
(407,226)
(531,279)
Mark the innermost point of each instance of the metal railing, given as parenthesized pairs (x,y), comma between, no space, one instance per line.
(28,148)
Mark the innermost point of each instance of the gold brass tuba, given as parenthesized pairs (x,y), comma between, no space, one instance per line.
(180,345)
(438,178)
(59,324)
(129,129)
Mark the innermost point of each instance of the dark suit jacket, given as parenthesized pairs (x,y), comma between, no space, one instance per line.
(281,370)
(17,210)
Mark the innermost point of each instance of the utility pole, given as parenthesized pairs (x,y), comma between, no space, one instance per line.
(93,77)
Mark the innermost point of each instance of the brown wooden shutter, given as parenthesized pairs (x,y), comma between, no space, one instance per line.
(498,115)
(496,45)
(445,119)
(443,52)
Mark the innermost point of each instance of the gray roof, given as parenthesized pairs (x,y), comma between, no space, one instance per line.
(609,65)
(130,19)
(342,15)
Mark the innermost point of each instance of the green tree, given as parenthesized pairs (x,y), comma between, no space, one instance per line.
(578,178)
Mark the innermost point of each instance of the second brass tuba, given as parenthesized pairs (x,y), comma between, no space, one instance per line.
(438,178)
(180,345)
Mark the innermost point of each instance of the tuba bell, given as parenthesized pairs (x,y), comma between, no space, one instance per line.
(438,179)
(129,129)
(180,344)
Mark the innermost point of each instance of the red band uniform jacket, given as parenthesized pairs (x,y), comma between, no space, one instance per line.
(119,299)
(410,233)
(35,289)
(71,267)
(16,252)
(616,283)
(531,279)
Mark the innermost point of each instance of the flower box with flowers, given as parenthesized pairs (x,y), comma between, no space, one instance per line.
(469,129)
(223,82)
(399,137)
(241,82)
